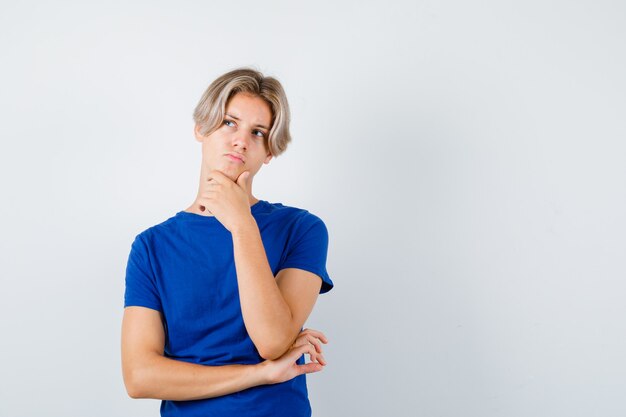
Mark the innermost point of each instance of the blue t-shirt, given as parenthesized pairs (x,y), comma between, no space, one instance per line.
(185,268)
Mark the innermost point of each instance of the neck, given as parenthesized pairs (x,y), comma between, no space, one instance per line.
(196,208)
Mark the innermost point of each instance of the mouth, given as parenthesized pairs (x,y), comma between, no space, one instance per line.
(235,157)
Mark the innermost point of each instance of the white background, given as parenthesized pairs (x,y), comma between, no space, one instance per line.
(466,157)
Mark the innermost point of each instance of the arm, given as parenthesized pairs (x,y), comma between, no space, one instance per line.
(149,374)
(274,309)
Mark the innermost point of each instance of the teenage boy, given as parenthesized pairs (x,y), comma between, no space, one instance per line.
(216,296)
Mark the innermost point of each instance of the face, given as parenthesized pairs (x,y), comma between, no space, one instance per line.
(243,133)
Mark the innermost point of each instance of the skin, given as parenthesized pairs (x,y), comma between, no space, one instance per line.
(243,137)
(274,309)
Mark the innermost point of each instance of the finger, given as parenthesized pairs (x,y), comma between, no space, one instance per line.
(309,368)
(307,339)
(302,338)
(211,186)
(321,359)
(310,340)
(208,195)
(242,180)
(316,333)
(217,176)
(315,357)
(315,342)
(212,181)
(297,352)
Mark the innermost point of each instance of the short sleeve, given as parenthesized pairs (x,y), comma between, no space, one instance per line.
(309,248)
(141,289)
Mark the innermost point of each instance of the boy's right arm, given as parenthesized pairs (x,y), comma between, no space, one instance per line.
(149,374)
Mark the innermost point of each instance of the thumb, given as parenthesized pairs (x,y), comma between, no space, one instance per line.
(242,180)
(310,367)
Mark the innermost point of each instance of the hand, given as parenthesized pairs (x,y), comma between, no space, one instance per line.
(285,368)
(226,199)
(315,338)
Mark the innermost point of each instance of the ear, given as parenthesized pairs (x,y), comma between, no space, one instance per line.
(268,158)
(197,134)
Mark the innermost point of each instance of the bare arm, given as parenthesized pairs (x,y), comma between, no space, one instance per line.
(149,374)
(274,309)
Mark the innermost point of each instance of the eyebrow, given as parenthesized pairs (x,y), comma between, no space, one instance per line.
(237,118)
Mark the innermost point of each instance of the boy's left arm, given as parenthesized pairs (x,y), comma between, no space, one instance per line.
(274,309)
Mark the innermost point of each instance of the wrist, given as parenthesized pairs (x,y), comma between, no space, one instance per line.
(259,373)
(245,226)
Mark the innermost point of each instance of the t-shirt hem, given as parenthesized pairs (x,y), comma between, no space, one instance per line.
(326,285)
(143,304)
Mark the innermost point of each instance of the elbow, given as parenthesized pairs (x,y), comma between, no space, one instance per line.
(133,381)
(134,392)
(270,355)
(273,351)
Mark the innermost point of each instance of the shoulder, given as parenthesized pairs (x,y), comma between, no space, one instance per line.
(298,222)
(296,215)
(148,235)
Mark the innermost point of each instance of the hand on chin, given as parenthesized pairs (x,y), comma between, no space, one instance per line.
(231,172)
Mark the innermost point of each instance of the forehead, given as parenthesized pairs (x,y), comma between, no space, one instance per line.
(250,108)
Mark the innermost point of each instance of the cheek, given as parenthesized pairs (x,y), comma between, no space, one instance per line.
(215,141)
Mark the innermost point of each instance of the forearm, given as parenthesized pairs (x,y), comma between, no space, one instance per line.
(163,378)
(266,315)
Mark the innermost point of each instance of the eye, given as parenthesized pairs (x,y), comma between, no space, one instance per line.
(259,133)
(226,122)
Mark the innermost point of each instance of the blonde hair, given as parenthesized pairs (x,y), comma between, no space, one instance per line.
(209,112)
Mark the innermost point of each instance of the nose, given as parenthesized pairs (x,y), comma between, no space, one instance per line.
(240,140)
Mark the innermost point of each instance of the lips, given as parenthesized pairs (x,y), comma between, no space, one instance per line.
(236,156)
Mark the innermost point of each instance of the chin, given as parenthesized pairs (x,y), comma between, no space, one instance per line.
(231,172)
